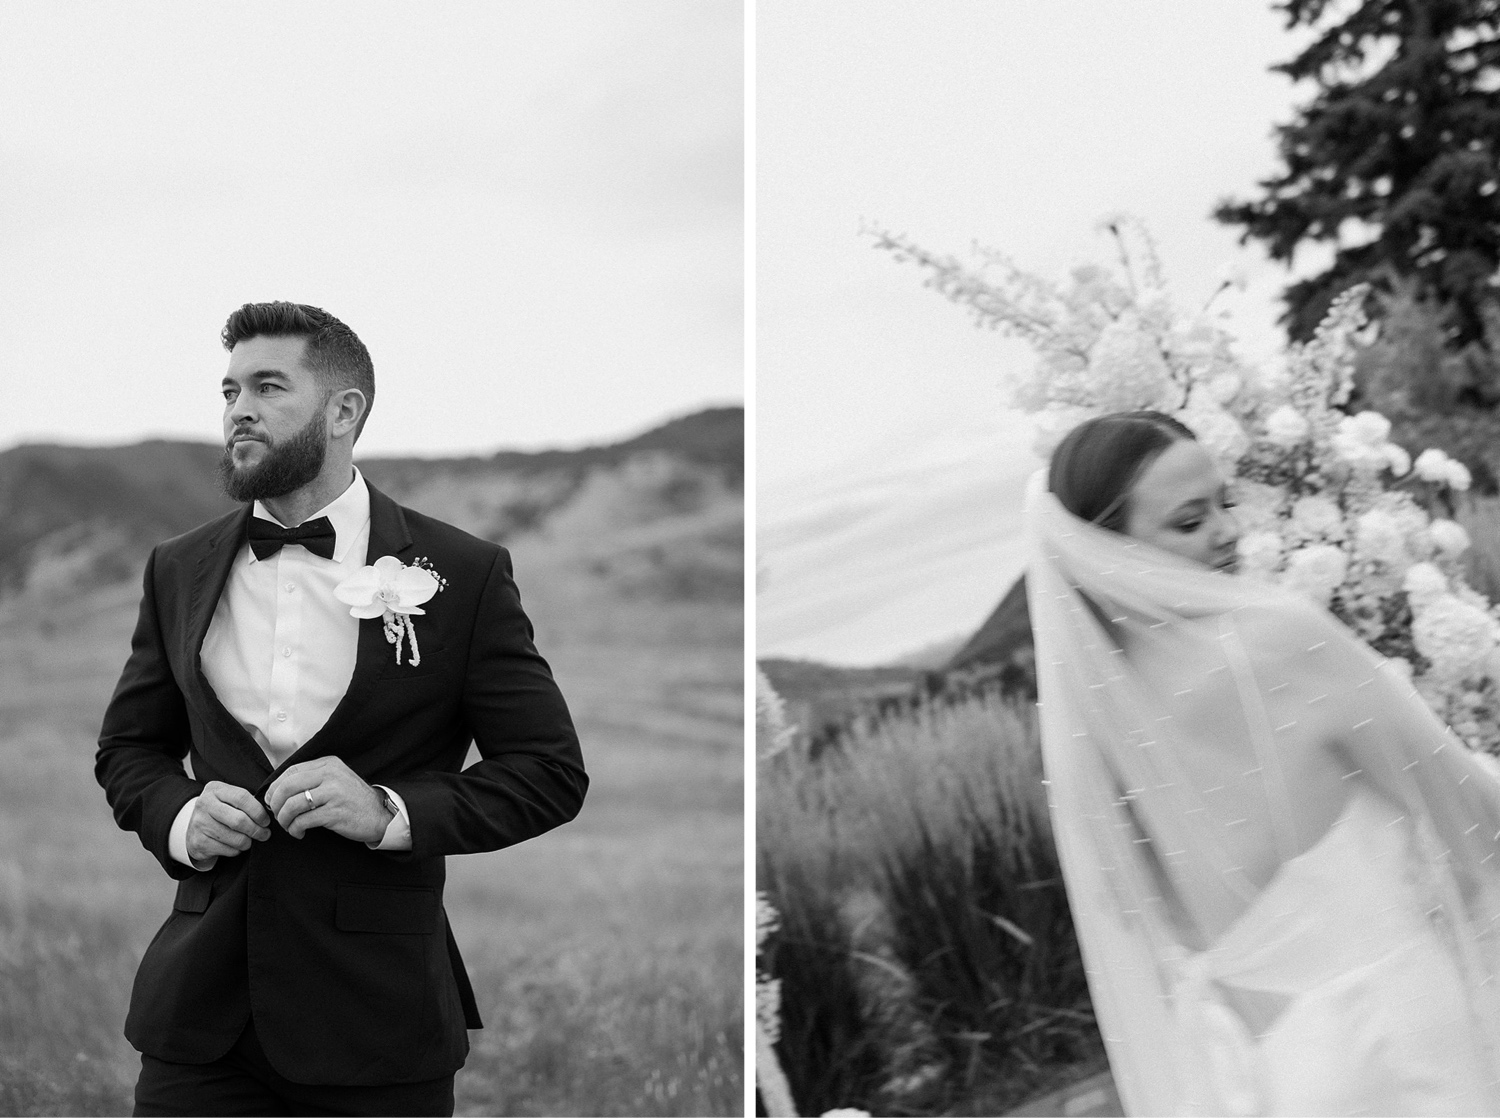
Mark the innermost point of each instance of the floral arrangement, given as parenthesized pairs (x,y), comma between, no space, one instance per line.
(1327,504)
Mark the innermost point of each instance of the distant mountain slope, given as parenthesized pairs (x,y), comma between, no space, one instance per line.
(659,514)
(72,515)
(1007,629)
(820,699)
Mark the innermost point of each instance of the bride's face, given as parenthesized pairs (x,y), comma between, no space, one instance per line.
(1180,504)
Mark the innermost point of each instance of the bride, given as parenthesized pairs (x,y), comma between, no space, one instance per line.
(1282,868)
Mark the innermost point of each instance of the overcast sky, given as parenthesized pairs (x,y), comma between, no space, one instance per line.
(530,211)
(890,466)
(1016,123)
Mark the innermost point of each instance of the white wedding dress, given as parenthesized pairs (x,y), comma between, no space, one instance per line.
(1373,1020)
(1283,871)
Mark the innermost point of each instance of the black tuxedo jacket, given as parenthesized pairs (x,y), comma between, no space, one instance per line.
(342,954)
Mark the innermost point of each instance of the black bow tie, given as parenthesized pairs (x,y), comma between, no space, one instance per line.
(267,537)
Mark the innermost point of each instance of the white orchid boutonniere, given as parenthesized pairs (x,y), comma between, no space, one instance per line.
(395,591)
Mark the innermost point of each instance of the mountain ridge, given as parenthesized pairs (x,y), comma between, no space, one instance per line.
(658,514)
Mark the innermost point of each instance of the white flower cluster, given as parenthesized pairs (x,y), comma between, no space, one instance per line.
(772,732)
(1434,465)
(1105,346)
(1328,504)
(1361,442)
(767,988)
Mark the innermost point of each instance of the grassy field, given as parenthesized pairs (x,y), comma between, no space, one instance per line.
(925,952)
(607,955)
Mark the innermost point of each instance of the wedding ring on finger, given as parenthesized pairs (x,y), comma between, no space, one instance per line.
(311,804)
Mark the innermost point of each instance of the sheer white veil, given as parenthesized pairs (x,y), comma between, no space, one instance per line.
(1124,634)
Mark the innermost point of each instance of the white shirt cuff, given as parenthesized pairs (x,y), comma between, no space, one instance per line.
(397,836)
(177,839)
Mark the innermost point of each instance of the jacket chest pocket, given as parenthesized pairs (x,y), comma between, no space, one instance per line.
(434,662)
(370,909)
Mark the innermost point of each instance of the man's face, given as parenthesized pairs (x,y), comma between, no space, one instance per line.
(275,422)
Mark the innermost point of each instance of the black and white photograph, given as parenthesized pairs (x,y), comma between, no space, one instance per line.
(718,558)
(372,559)
(1127,558)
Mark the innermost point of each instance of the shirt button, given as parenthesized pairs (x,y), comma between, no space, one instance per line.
(281,715)
(286,651)
(291,587)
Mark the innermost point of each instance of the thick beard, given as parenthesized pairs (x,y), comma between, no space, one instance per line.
(286,466)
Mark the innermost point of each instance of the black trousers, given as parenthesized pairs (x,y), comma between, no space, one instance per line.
(242,1083)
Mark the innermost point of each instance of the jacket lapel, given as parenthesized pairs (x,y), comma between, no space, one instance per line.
(209,578)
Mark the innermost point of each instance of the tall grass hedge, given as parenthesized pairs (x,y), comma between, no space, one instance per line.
(925,949)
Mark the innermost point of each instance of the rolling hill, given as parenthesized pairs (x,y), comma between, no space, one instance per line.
(659,515)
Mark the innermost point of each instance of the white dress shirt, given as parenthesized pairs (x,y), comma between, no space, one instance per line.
(280,650)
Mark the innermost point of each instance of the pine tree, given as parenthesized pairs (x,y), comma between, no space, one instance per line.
(1394,161)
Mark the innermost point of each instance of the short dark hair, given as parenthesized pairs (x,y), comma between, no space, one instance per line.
(1097,463)
(334,351)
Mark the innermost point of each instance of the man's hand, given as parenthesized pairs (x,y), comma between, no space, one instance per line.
(224,822)
(339,800)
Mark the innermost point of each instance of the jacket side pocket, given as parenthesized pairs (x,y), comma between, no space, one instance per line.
(194,892)
(369,909)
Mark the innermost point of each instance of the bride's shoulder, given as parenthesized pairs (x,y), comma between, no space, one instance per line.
(1310,666)
(1287,626)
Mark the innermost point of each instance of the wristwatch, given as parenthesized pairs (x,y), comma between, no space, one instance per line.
(390,804)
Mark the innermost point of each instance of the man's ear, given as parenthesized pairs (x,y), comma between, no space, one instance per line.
(346,409)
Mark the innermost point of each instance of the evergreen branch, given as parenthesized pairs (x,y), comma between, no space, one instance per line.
(1399,135)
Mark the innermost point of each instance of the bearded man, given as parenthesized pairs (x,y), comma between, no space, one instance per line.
(323,658)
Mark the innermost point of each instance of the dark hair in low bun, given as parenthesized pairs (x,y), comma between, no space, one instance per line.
(1096,464)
